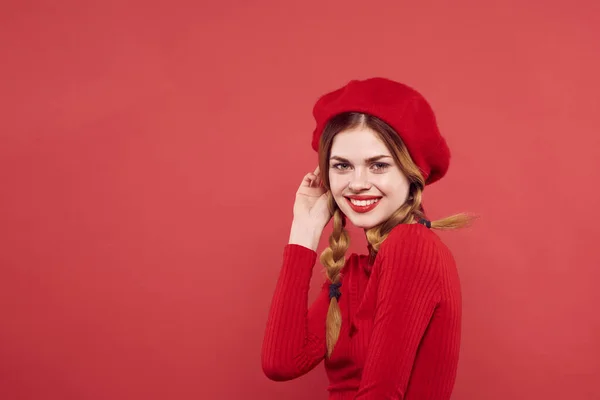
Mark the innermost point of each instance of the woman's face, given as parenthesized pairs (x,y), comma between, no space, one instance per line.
(365,181)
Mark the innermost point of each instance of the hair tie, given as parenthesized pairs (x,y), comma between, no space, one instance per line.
(334,290)
(425,222)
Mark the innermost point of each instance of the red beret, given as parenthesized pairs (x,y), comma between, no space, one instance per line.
(401,107)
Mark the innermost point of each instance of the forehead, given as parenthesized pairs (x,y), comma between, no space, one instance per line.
(358,143)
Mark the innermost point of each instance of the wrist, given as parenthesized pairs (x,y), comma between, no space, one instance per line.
(305,235)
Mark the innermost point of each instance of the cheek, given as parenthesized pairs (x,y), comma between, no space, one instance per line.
(385,184)
(393,186)
(337,184)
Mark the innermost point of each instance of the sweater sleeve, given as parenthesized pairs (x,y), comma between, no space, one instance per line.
(408,292)
(294,340)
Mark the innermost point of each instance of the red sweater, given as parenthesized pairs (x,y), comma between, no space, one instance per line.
(400,334)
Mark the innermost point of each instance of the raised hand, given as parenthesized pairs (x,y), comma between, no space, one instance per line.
(311,211)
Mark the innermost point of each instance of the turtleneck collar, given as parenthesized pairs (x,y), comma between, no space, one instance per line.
(366,261)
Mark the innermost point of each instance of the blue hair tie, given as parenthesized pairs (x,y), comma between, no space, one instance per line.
(334,290)
(425,222)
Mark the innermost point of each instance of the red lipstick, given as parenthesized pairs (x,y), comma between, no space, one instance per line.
(363,209)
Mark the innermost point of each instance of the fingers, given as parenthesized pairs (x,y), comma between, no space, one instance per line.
(309,179)
(317,181)
(317,173)
(313,179)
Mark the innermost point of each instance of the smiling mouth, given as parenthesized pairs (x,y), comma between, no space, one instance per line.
(363,202)
(362,206)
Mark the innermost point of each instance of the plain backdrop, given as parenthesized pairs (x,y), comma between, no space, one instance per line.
(150,152)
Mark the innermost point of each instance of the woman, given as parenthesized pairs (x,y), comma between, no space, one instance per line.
(388,323)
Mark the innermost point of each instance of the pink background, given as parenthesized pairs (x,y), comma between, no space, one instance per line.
(150,151)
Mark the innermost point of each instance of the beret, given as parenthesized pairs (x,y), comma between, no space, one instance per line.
(398,105)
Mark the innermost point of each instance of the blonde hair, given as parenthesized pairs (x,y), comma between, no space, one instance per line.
(333,257)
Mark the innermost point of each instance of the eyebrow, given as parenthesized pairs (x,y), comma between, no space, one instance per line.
(370,159)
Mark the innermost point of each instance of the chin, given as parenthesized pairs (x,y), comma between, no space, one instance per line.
(363,221)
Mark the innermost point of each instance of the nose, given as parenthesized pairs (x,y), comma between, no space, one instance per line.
(359,181)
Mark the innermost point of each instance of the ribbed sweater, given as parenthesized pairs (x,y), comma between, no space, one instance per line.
(401,321)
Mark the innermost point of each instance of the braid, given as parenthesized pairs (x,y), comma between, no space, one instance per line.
(407,213)
(333,258)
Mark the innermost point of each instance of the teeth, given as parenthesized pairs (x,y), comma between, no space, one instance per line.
(363,202)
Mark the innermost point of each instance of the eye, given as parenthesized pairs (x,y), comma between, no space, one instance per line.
(380,166)
(341,166)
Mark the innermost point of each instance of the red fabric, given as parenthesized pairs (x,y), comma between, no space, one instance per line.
(401,324)
(401,107)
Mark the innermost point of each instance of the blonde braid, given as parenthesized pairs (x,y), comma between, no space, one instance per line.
(333,258)
(407,213)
